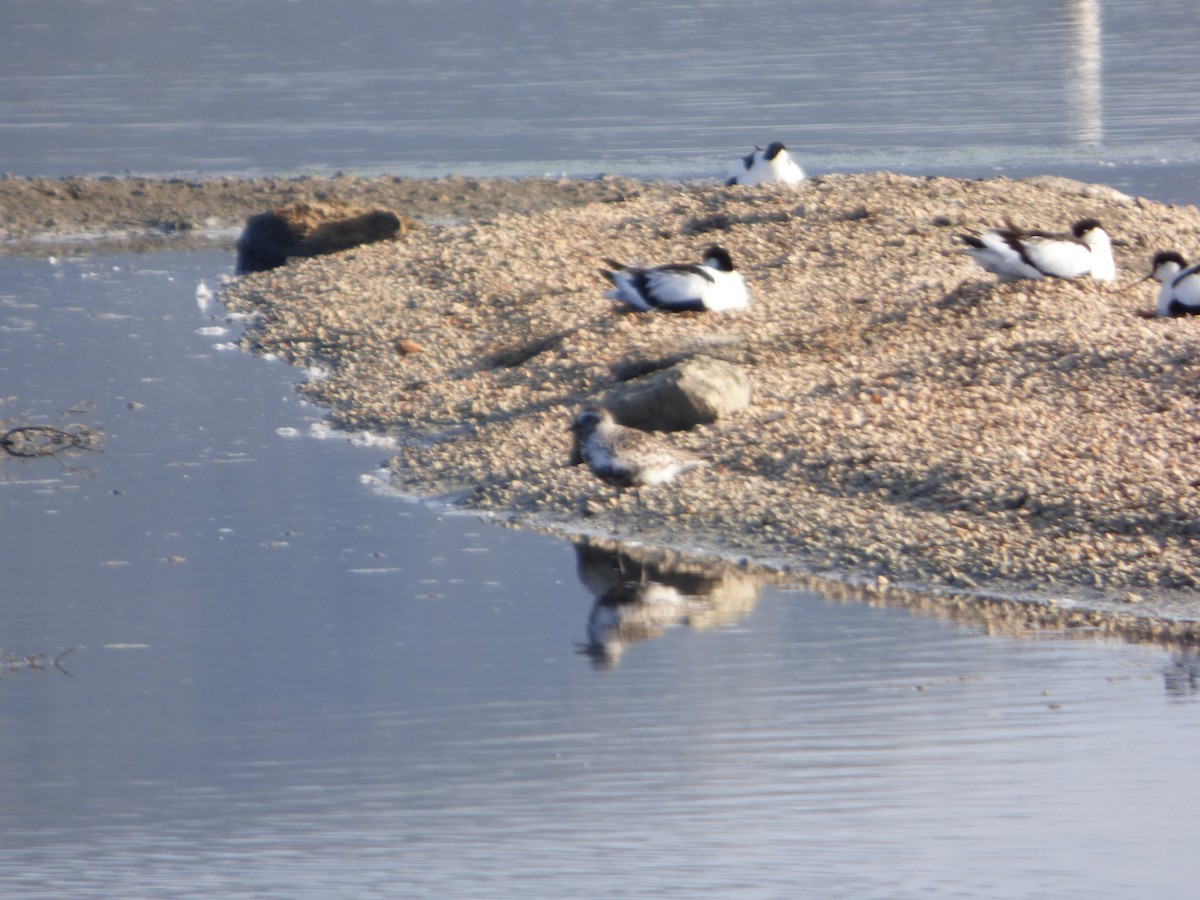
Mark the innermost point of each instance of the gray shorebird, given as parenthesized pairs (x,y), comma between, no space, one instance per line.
(625,457)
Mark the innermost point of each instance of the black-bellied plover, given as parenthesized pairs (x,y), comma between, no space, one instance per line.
(625,457)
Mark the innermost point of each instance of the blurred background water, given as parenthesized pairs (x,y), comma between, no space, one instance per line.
(636,86)
(273,678)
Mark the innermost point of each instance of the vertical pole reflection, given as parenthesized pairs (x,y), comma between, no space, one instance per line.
(1083,70)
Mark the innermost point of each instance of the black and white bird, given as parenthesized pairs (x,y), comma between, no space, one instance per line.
(1179,291)
(714,285)
(1013,252)
(625,457)
(773,165)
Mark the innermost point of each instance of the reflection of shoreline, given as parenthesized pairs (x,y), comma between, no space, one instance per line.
(1006,615)
(640,593)
(995,614)
(1082,81)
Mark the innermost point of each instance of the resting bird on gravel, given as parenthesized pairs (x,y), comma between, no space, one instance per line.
(765,166)
(1013,253)
(715,286)
(625,457)
(1179,294)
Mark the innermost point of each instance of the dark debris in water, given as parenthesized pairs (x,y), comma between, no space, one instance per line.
(28,440)
(14,664)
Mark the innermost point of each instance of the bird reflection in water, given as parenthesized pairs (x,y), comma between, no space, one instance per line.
(640,592)
(1181,676)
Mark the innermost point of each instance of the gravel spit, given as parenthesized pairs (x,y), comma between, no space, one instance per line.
(918,433)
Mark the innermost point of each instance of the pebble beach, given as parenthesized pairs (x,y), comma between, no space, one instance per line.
(916,429)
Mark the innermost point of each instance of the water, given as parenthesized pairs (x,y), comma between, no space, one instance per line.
(282,681)
(627,85)
(275,679)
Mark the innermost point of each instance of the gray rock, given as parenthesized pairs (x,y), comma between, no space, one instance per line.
(693,392)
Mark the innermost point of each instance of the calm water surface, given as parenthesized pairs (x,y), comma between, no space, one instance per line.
(276,680)
(590,85)
(285,682)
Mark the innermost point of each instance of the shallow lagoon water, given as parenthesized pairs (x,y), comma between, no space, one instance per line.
(284,681)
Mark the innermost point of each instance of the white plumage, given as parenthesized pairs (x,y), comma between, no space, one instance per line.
(715,285)
(1013,252)
(1179,291)
(772,165)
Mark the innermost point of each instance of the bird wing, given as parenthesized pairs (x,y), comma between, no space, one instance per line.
(1184,292)
(676,286)
(1058,256)
(1185,279)
(738,170)
(607,463)
(641,458)
(628,283)
(999,251)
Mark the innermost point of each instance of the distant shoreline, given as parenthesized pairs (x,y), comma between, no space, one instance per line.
(45,215)
(916,430)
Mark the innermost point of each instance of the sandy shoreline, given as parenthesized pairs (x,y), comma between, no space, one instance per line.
(41,215)
(913,425)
